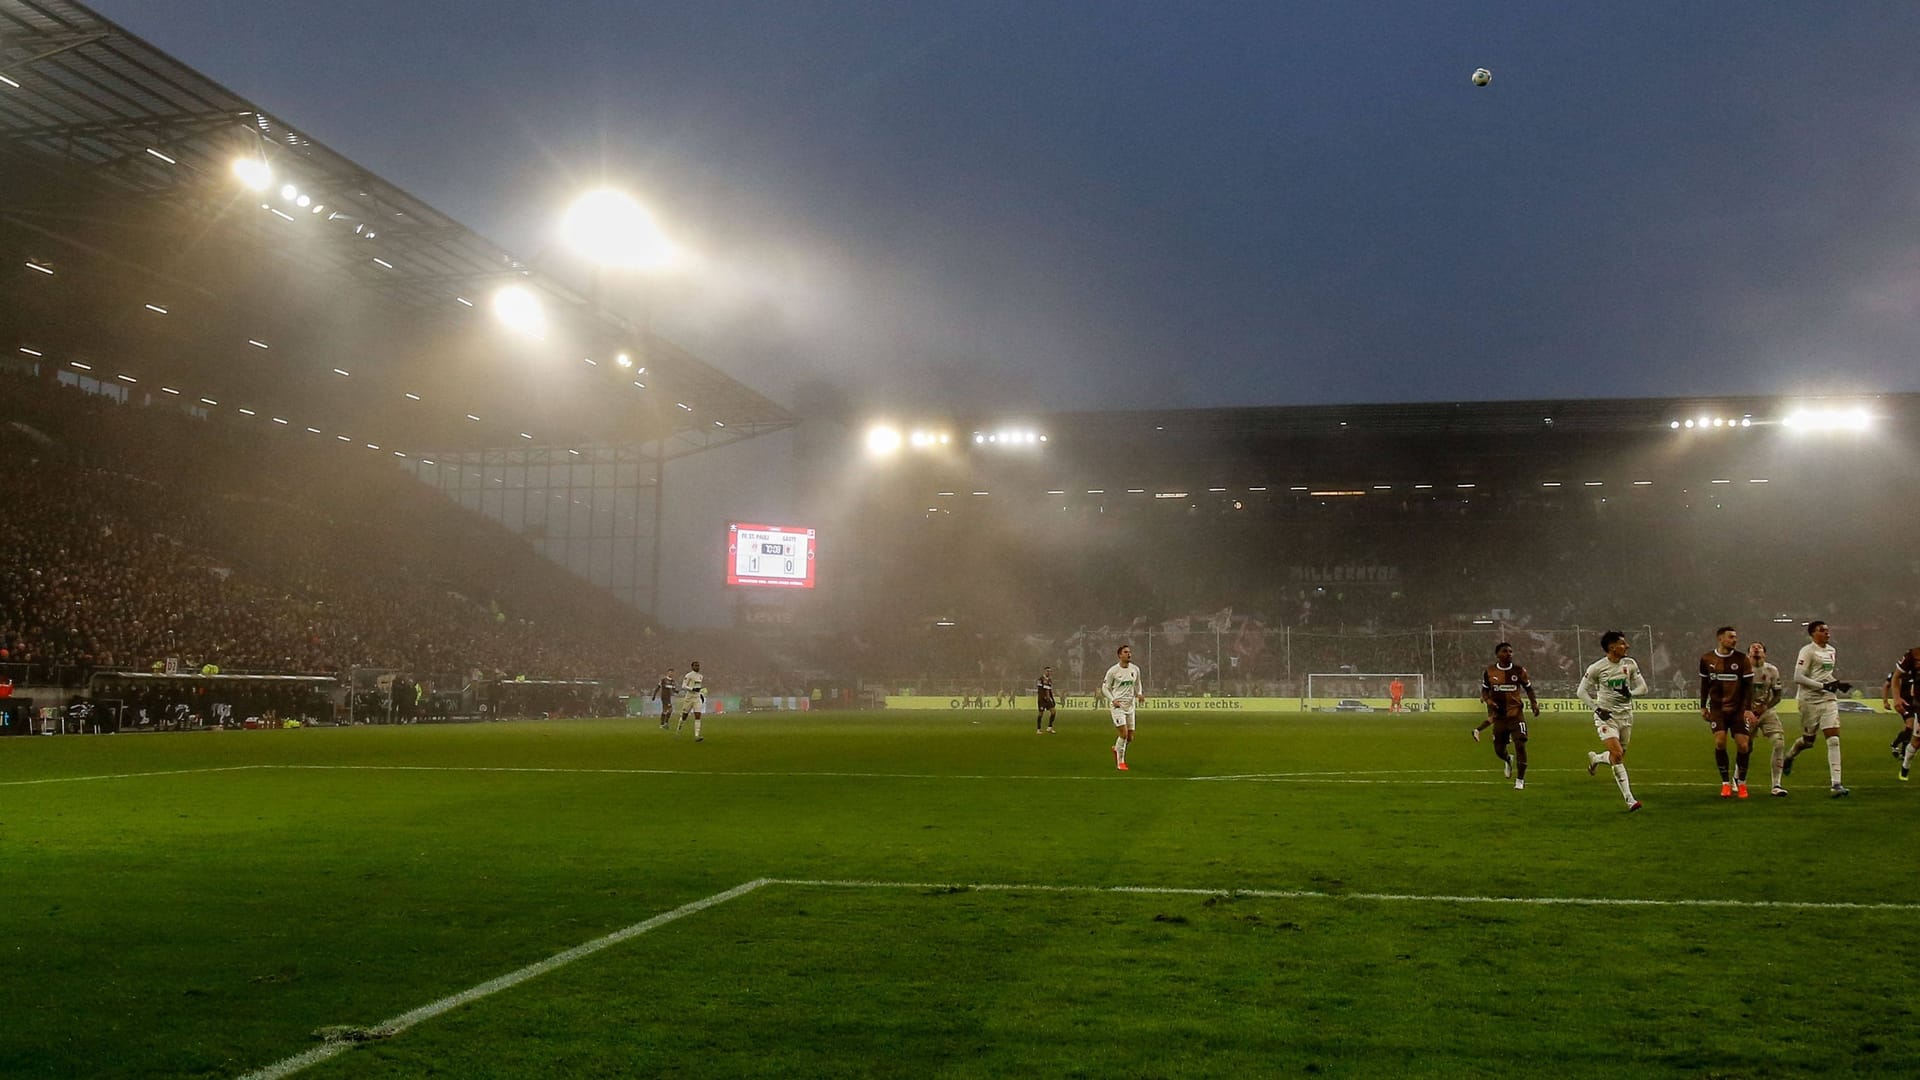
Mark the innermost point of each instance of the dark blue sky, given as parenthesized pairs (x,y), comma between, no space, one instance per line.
(977,205)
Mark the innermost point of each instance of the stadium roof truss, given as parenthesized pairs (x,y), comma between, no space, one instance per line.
(82,95)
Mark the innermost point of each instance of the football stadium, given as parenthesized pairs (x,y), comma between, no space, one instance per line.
(416,660)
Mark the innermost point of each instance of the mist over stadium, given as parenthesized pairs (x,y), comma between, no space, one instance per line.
(386,433)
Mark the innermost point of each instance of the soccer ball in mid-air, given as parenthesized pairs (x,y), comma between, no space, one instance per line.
(1481,76)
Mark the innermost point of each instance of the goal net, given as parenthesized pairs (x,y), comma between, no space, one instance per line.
(1345,691)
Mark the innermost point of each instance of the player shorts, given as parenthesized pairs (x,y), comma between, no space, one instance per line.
(1123,716)
(691,703)
(1620,726)
(1767,725)
(1732,724)
(1046,703)
(1816,716)
(1509,727)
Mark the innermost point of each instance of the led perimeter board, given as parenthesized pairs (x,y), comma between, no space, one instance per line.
(777,556)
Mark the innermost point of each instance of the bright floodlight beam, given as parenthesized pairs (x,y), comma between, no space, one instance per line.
(1854,419)
(882,440)
(520,311)
(610,228)
(253,172)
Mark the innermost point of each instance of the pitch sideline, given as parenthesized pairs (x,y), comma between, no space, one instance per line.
(388,1028)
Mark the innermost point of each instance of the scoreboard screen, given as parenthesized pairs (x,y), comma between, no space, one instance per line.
(772,555)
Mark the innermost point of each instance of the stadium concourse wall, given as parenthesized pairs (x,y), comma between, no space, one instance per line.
(1285,704)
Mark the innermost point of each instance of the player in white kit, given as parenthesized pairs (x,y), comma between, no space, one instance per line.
(692,698)
(1608,688)
(1766,695)
(1122,693)
(1819,693)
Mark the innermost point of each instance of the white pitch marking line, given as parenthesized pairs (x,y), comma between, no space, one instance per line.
(130,775)
(1357,777)
(325,1051)
(1312,894)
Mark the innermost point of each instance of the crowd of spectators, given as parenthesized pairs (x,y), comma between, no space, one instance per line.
(1233,606)
(131,535)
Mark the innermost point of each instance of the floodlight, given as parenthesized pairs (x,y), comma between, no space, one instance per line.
(610,228)
(288,191)
(882,440)
(520,311)
(256,174)
(1855,419)
(623,360)
(303,201)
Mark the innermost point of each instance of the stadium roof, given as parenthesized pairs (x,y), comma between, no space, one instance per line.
(1425,449)
(331,298)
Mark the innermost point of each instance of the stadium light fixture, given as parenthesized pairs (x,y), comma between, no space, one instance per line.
(289,192)
(303,200)
(30,352)
(463,301)
(1674,424)
(248,412)
(609,228)
(161,156)
(257,343)
(253,173)
(1855,419)
(411,396)
(520,311)
(342,372)
(208,401)
(383,262)
(47,270)
(9,82)
(623,360)
(170,390)
(882,440)
(81,366)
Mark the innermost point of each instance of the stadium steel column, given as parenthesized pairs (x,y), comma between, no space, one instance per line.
(659,503)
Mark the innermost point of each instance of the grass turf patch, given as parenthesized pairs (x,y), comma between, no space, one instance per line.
(205,923)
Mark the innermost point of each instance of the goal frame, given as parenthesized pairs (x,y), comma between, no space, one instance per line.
(1416,698)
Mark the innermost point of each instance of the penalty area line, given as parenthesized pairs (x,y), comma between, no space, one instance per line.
(1315,894)
(388,1028)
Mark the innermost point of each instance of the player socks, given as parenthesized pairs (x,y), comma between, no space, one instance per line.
(696,727)
(1519,761)
(1779,759)
(1833,758)
(1620,777)
(1740,760)
(1720,759)
(1120,750)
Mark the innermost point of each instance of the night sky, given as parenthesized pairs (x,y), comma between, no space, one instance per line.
(1105,205)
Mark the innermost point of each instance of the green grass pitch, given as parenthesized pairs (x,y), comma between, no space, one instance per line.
(202,905)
